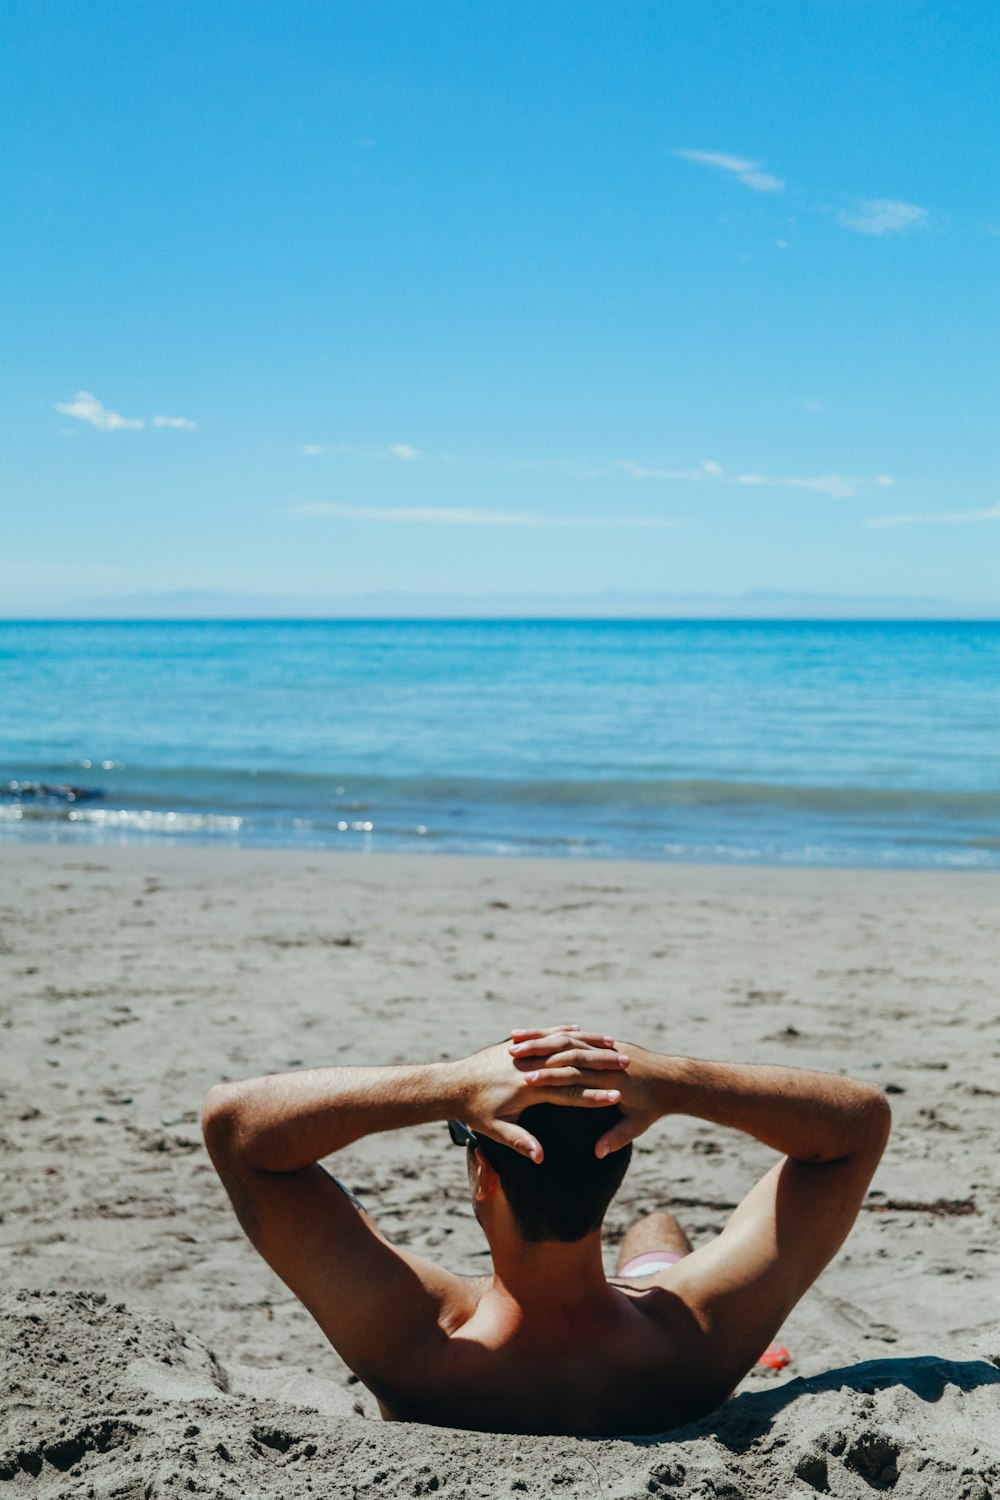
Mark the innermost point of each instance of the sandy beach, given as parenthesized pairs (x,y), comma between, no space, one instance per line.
(147,1350)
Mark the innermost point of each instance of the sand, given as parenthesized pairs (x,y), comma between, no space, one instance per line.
(147,1351)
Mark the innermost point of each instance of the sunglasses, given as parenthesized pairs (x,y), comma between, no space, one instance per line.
(461,1135)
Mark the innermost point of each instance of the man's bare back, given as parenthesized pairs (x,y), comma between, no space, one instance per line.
(547,1343)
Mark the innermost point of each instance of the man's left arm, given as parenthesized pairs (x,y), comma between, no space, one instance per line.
(266,1137)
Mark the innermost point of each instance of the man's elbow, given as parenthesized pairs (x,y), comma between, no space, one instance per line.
(862,1128)
(220,1119)
(875,1118)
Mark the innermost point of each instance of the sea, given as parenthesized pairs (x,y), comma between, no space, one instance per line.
(748,742)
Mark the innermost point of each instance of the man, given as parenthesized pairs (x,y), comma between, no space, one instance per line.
(547,1343)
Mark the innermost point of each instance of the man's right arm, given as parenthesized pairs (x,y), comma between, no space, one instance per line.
(808,1116)
(832,1131)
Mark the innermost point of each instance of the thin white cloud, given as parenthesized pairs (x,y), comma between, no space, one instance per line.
(181,423)
(837,486)
(747,172)
(873,216)
(447,516)
(404,451)
(883,216)
(343,450)
(707,470)
(945,518)
(85,407)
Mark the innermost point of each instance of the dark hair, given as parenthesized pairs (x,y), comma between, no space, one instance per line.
(566,1195)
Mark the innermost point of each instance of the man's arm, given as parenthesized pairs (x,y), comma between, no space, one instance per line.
(832,1132)
(266,1137)
(809,1116)
(285,1121)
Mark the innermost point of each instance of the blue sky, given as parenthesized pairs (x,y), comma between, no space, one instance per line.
(321,300)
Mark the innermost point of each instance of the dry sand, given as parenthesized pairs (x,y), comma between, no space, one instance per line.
(147,1351)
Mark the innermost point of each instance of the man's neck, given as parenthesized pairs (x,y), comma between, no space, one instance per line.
(550,1283)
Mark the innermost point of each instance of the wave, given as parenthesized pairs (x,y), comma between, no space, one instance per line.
(702,837)
(138,820)
(237,791)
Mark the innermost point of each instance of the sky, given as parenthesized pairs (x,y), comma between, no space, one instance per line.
(382,305)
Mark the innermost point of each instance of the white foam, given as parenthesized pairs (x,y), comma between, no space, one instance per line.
(141,820)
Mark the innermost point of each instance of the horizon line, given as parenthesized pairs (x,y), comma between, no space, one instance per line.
(496,619)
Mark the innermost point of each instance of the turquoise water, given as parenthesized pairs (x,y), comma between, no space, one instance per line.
(804,743)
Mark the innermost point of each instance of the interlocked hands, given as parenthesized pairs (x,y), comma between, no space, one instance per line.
(544,1065)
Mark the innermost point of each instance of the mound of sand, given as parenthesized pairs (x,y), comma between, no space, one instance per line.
(105,1401)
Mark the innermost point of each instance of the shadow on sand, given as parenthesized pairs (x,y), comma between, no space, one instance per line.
(744,1420)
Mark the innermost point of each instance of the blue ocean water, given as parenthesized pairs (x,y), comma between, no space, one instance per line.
(771,742)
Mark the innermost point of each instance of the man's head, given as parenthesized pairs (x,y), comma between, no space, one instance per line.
(565,1196)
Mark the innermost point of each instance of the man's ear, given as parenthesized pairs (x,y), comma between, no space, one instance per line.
(485,1180)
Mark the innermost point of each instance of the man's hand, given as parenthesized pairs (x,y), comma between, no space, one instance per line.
(533,1049)
(501,1081)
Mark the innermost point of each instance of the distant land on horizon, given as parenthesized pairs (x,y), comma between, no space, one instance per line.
(200,604)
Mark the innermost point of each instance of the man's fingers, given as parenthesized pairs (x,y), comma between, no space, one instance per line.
(580,1094)
(576,1057)
(525,1032)
(536,1035)
(572,1068)
(591,1058)
(519,1140)
(557,1039)
(618,1136)
(522,1034)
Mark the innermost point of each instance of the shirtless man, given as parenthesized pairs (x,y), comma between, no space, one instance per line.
(547,1343)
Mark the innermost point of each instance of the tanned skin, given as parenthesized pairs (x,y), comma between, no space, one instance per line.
(547,1343)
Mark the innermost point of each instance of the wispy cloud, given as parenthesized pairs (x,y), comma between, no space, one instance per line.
(403,451)
(944,518)
(707,470)
(85,407)
(836,486)
(181,423)
(874,216)
(747,172)
(883,216)
(427,515)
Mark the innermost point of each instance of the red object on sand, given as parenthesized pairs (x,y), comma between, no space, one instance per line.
(775,1357)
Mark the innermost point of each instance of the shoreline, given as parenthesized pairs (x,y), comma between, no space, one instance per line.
(225,845)
(131,978)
